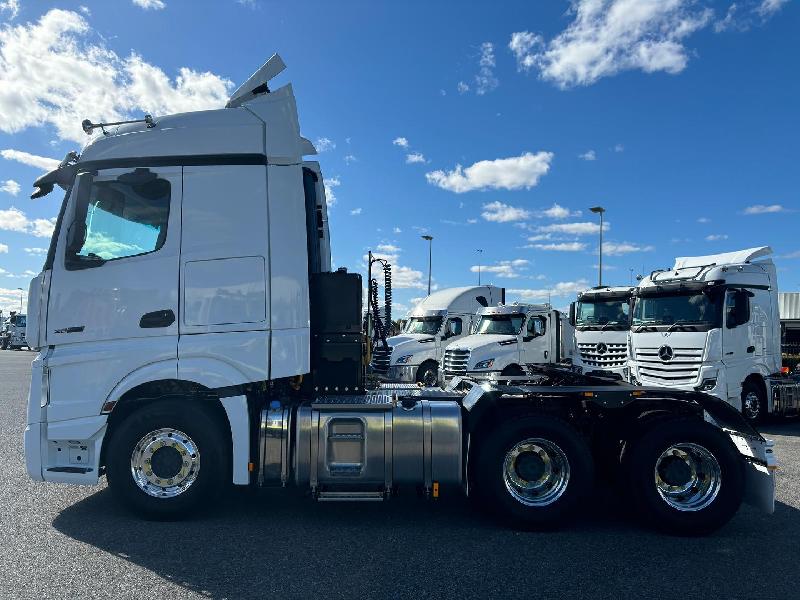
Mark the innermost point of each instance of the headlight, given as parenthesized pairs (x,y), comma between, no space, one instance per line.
(485,364)
(404,359)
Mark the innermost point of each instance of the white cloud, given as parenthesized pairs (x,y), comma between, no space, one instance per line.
(150,4)
(795,254)
(415,157)
(11,7)
(610,36)
(506,269)
(578,228)
(9,297)
(85,10)
(485,80)
(497,212)
(350,159)
(562,247)
(618,249)
(588,155)
(330,195)
(397,230)
(760,209)
(3,248)
(324,144)
(10,187)
(558,212)
(32,160)
(400,141)
(36,251)
(407,278)
(619,148)
(53,75)
(511,173)
(562,288)
(388,249)
(462,87)
(13,219)
(767,8)
(355,211)
(704,220)
(716,237)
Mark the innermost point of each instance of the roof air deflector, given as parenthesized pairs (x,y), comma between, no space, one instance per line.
(257,82)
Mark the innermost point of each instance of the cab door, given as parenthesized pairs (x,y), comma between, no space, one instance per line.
(738,349)
(113,299)
(535,345)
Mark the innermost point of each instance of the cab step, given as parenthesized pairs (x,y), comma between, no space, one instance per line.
(350,496)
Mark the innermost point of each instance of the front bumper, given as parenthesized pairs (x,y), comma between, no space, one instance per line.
(402,373)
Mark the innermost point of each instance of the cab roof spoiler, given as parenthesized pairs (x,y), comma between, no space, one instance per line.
(256,84)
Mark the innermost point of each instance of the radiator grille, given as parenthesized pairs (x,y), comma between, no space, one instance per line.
(604,355)
(455,362)
(683,367)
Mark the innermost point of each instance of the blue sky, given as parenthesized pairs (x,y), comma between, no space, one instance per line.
(487,125)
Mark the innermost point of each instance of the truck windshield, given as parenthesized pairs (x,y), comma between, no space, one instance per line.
(424,325)
(693,308)
(596,313)
(501,324)
(19,320)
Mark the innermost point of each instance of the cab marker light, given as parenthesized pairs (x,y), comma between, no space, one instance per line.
(251,467)
(637,393)
(108,407)
(435,489)
(587,394)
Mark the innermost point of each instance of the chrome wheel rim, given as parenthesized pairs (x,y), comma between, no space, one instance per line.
(165,463)
(536,472)
(751,405)
(688,477)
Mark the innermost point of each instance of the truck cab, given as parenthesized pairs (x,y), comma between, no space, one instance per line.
(12,333)
(505,338)
(601,317)
(443,317)
(711,324)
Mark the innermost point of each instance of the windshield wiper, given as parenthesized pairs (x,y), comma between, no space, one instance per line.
(681,322)
(644,327)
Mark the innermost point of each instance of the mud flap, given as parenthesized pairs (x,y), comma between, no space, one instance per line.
(759,471)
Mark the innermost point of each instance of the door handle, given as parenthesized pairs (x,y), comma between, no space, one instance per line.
(751,349)
(158,318)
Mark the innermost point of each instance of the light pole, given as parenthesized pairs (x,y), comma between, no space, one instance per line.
(20,299)
(600,210)
(480,256)
(430,256)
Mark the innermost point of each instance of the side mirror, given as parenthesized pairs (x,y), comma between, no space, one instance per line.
(76,236)
(572,314)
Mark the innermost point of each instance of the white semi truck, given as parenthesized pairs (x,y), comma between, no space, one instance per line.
(12,333)
(601,317)
(711,324)
(190,335)
(446,315)
(505,338)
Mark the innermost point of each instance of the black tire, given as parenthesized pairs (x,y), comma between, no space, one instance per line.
(640,464)
(428,373)
(754,402)
(207,435)
(511,371)
(495,494)
(4,344)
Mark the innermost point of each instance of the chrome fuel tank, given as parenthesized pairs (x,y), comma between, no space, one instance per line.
(372,442)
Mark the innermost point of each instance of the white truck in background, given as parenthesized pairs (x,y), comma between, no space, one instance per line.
(506,338)
(601,317)
(12,332)
(711,324)
(191,336)
(415,355)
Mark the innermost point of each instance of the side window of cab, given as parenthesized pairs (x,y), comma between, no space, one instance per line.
(117,218)
(454,327)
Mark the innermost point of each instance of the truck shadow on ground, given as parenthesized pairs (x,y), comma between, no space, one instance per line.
(789,426)
(278,544)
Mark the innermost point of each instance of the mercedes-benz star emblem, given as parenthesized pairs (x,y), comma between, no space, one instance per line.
(665,353)
(601,348)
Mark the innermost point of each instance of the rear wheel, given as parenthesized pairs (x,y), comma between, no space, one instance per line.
(685,477)
(167,459)
(532,472)
(428,374)
(753,401)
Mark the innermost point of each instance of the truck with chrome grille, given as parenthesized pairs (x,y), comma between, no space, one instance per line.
(601,317)
(191,336)
(711,324)
(505,338)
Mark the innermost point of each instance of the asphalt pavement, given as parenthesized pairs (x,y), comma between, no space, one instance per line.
(59,541)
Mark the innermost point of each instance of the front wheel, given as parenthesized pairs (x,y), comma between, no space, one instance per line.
(167,459)
(428,374)
(753,402)
(533,471)
(685,477)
